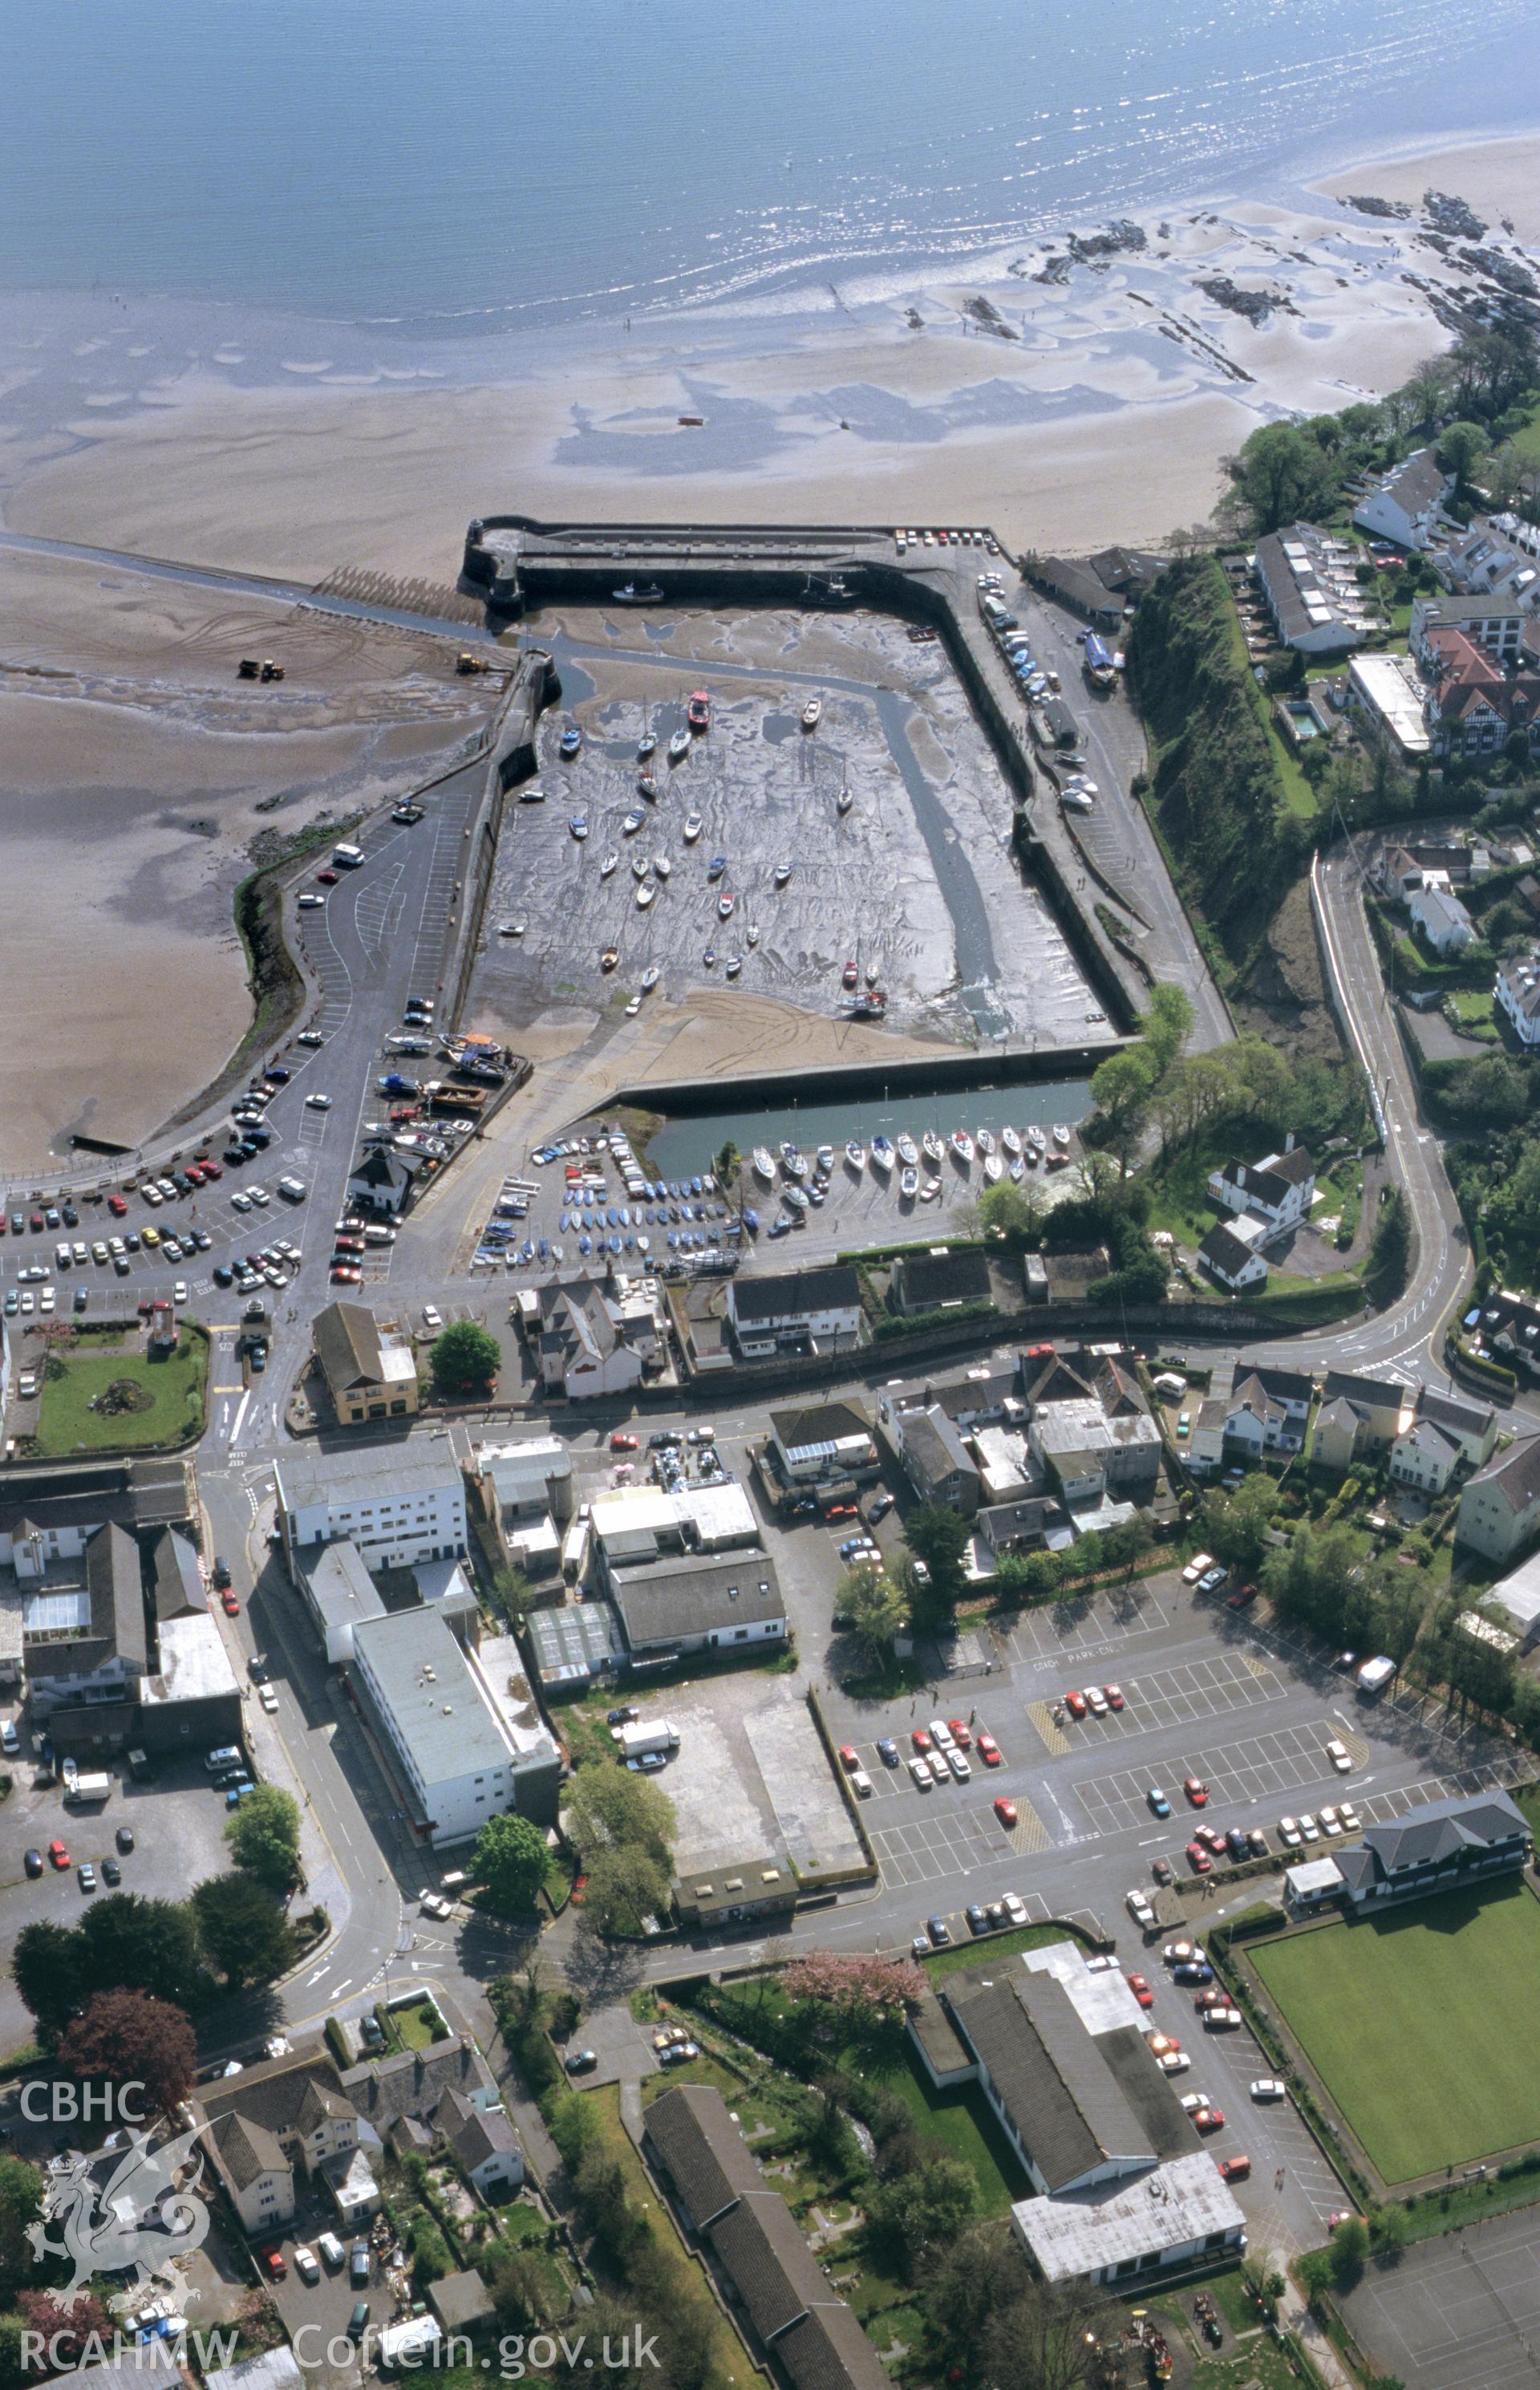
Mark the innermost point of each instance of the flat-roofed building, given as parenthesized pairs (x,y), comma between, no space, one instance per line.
(454,1749)
(399,1505)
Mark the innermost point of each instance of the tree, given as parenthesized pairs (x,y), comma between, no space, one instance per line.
(510,1860)
(1041,2340)
(1391,1247)
(926,2210)
(142,1946)
(849,1986)
(430,2258)
(1314,2270)
(1349,2250)
(874,1610)
(939,1538)
(20,2205)
(1236,1524)
(71,2326)
(964,2291)
(47,1965)
(242,1929)
(1009,1212)
(610,1808)
(1166,1026)
(1388,2230)
(1461,448)
(1121,1090)
(516,2283)
(129,2037)
(513,1596)
(465,1359)
(263,1836)
(1280,475)
(625,1886)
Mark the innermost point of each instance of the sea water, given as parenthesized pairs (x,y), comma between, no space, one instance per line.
(470,165)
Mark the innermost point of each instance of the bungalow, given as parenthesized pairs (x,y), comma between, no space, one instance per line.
(1279,1189)
(1406,504)
(1232,1258)
(1442,920)
(938,1282)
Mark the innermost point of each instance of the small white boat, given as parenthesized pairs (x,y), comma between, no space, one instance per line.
(1017,1170)
(607,866)
(995,1169)
(1036,1140)
(610,958)
(709,958)
(644,895)
(908,1184)
(735,964)
(984,1140)
(751,934)
(882,1153)
(908,1152)
(783,873)
(638,866)
(646,746)
(1061,1134)
(930,1145)
(510,929)
(811,712)
(679,746)
(649,979)
(632,1008)
(826,1158)
(1011,1140)
(856,1154)
(693,827)
(662,865)
(578,825)
(647,787)
(844,801)
(725,906)
(962,1145)
(633,821)
(763,1165)
(793,1160)
(644,1245)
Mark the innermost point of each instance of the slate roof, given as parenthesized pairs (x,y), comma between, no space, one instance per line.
(1515,1473)
(1224,1251)
(353,1350)
(1047,2072)
(413,2082)
(701,2151)
(933,1443)
(835,1288)
(272,2093)
(774,2273)
(247,2150)
(926,1282)
(475,2134)
(1251,1394)
(1433,1833)
(116,1600)
(671,1598)
(1371,1393)
(1448,1412)
(829,2351)
(177,1581)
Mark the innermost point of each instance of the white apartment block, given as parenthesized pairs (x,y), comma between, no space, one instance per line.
(399,1504)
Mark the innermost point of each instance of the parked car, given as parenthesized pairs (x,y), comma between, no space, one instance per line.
(1196,1790)
(358,2264)
(1267,2087)
(305,2265)
(581,2061)
(1140,1910)
(1158,1802)
(987,1749)
(1004,1810)
(274,2264)
(1199,1860)
(1221,2020)
(1139,1986)
(939,1931)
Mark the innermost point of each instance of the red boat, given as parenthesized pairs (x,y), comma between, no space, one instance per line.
(698,712)
(849,975)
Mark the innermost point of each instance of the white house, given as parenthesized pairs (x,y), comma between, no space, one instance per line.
(399,1504)
(1424,1458)
(1471,1426)
(458,1753)
(483,2140)
(1232,1258)
(812,1310)
(1406,504)
(1279,1189)
(597,1340)
(1518,992)
(1441,918)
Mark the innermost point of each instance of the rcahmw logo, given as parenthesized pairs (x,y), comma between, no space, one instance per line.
(138,2218)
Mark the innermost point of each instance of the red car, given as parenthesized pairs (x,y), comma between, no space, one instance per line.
(1004,1810)
(275,2262)
(1075,1704)
(1212,1998)
(1234,2169)
(622,1442)
(231,1602)
(1199,1860)
(340,1277)
(1141,1991)
(59,1856)
(1196,1790)
(848,1758)
(849,975)
(1208,2120)
(116,1205)
(328,878)
(1112,1695)
(989,1750)
(918,1737)
(961,1734)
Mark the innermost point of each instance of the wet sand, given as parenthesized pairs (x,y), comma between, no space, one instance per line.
(133,766)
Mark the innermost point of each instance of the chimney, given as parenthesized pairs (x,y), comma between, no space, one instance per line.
(1288,1142)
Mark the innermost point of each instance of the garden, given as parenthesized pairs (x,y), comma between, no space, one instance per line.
(104,1393)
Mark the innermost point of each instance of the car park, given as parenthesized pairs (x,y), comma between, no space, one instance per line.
(1309,1830)
(1331,1821)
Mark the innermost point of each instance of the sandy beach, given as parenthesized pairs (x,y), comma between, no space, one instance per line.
(1097,408)
(1104,415)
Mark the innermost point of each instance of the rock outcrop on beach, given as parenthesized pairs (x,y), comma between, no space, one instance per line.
(1448,212)
(989,318)
(1255,305)
(1367,205)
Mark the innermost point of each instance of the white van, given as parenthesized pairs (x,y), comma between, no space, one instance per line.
(227,1755)
(292,1189)
(350,857)
(376,1236)
(331,2250)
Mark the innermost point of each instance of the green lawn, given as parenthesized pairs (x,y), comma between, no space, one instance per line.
(175,1383)
(1422,2025)
(419,2028)
(966,2126)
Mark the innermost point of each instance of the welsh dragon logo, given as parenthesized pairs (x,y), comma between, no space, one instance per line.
(138,2218)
